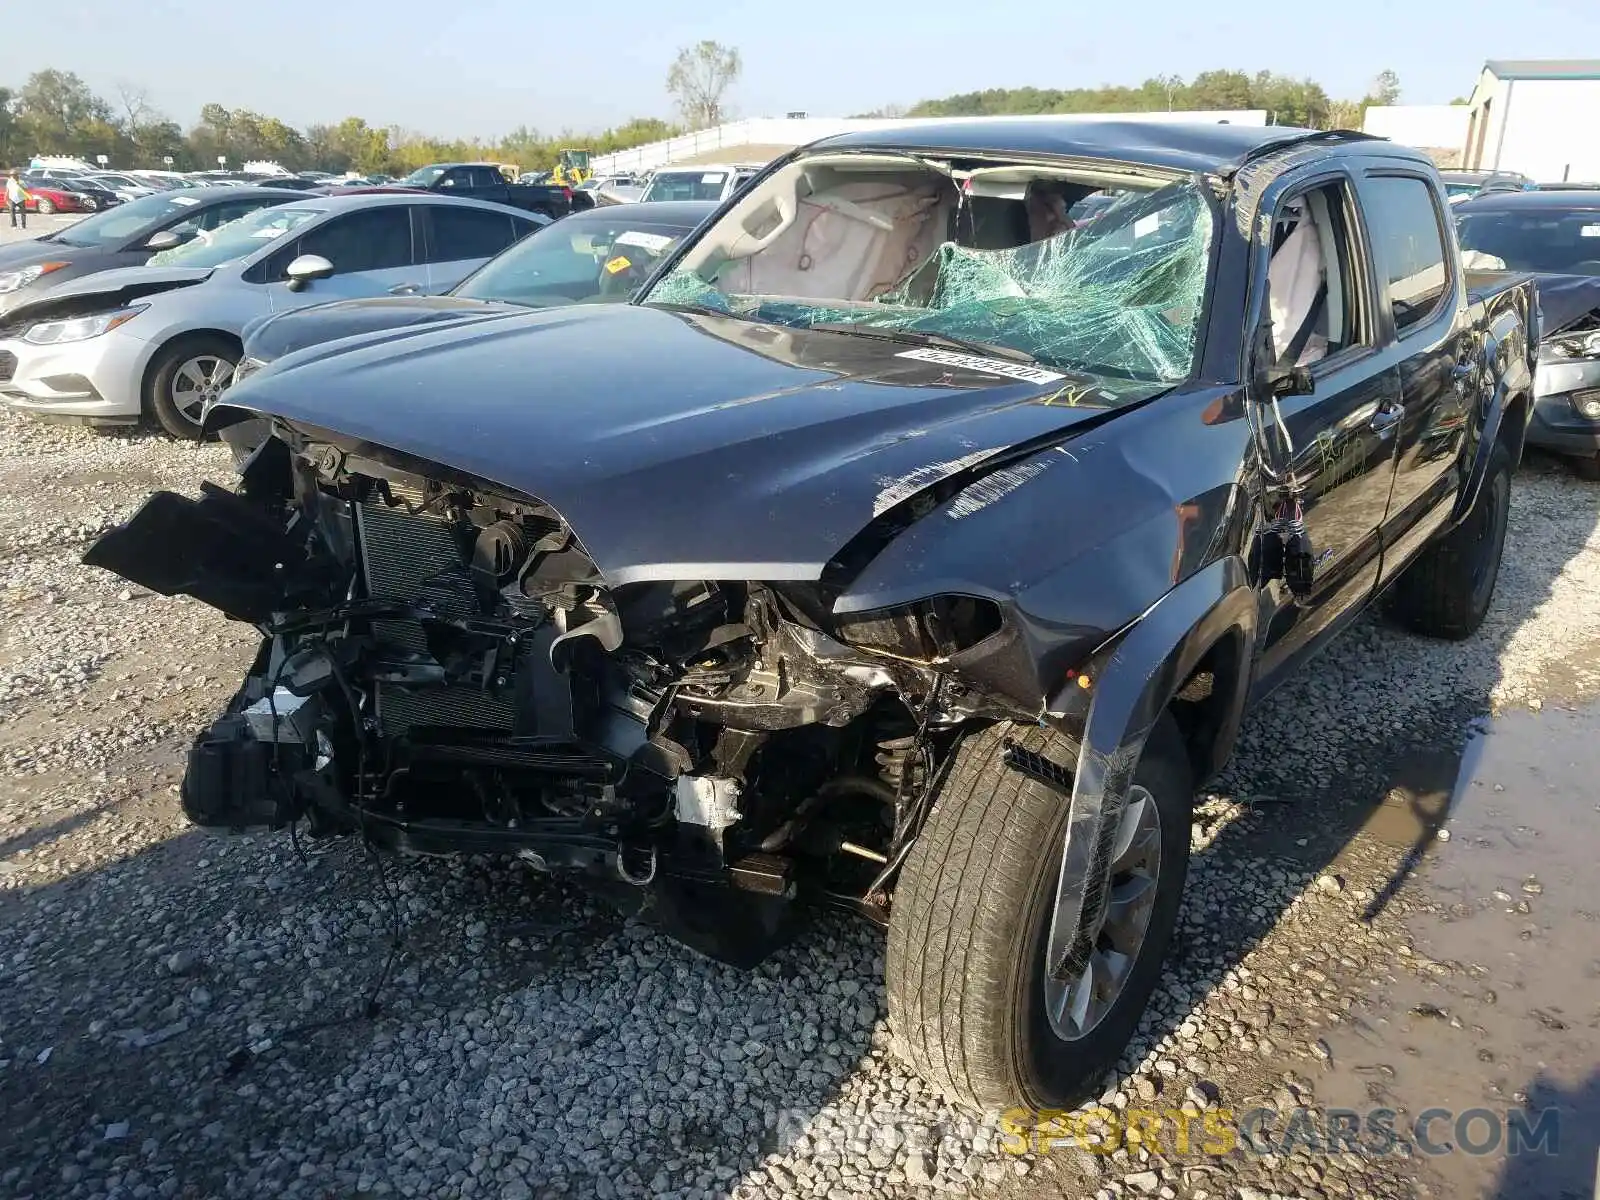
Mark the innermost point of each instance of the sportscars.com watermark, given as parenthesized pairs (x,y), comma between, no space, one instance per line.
(1373,1132)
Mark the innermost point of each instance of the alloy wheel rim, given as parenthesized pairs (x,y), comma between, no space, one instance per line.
(197,383)
(1077,1006)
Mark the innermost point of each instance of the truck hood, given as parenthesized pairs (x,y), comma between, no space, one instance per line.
(1565,299)
(107,289)
(680,446)
(270,338)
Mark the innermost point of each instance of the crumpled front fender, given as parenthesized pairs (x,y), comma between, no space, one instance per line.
(1506,374)
(1133,682)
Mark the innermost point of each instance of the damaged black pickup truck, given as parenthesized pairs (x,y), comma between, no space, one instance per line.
(902,546)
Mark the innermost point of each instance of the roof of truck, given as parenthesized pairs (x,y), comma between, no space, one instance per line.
(1181,146)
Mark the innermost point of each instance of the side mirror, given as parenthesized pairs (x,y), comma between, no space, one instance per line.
(165,240)
(1268,380)
(306,268)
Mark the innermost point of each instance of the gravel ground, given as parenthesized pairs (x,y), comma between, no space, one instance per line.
(187,1016)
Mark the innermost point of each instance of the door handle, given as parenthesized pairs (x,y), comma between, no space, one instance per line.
(1386,418)
(405,289)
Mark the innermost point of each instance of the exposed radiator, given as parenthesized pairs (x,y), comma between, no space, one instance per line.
(400,552)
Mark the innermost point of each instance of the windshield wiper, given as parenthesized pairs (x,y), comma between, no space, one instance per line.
(687,306)
(923,337)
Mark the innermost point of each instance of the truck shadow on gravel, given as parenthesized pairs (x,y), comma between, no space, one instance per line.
(195,1019)
(1572,1171)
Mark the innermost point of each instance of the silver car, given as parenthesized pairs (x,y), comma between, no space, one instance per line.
(162,340)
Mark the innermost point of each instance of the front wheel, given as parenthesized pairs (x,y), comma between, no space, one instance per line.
(1446,592)
(972,1009)
(47,208)
(184,378)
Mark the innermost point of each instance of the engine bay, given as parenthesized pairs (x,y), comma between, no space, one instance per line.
(443,669)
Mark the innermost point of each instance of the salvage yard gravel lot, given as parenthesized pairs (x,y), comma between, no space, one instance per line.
(190,1016)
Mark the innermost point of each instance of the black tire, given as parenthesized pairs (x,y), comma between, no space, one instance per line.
(972,909)
(167,371)
(1446,592)
(46,208)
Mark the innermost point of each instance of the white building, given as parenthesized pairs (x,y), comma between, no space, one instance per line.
(1437,127)
(1539,117)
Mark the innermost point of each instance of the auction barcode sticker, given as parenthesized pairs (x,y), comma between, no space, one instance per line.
(991,366)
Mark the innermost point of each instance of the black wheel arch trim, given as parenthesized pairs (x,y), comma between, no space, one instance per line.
(1509,355)
(1133,680)
(1494,429)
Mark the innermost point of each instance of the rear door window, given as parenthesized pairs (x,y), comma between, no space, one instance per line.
(1408,235)
(459,233)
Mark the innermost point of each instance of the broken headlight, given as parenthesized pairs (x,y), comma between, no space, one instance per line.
(1585,344)
(926,631)
(10,281)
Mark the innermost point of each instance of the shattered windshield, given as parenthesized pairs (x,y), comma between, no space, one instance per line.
(1121,294)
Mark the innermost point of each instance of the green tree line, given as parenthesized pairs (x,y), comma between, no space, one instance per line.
(55,112)
(1288,101)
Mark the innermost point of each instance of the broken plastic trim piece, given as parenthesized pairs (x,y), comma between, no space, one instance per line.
(220,549)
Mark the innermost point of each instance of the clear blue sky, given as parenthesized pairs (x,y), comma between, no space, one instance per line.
(485,66)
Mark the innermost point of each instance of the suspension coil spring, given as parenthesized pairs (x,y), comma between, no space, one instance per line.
(899,765)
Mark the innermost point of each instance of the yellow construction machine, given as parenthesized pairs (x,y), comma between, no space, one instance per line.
(572,168)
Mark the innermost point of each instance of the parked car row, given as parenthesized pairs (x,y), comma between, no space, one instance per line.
(134,183)
(484,181)
(125,236)
(49,194)
(144,312)
(83,335)
(902,543)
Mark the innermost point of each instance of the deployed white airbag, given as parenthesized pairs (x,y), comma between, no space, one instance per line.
(851,242)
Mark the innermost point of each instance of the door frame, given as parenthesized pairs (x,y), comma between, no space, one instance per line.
(1373,355)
